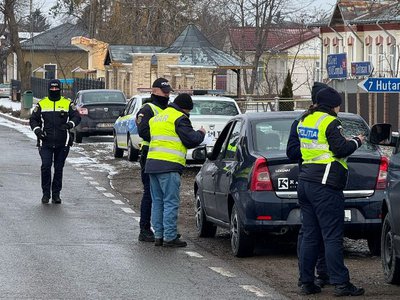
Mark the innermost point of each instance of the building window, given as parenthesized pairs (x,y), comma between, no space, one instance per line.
(369,56)
(51,71)
(381,60)
(392,59)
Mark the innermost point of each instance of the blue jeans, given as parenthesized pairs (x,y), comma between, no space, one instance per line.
(165,195)
(49,156)
(323,220)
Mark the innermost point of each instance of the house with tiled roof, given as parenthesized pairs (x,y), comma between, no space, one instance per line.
(51,53)
(287,47)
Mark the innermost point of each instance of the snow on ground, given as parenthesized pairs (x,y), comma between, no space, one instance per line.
(14,105)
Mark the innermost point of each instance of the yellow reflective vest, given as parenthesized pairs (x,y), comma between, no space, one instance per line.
(165,143)
(314,145)
(156,110)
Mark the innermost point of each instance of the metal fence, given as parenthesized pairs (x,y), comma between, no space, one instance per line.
(69,88)
(272,104)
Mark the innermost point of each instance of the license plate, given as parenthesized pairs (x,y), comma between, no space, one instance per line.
(105,125)
(347,215)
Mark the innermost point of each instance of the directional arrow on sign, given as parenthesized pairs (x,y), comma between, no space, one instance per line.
(381,85)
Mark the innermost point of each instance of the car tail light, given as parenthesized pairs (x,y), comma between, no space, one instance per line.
(83,111)
(264,218)
(261,178)
(382,175)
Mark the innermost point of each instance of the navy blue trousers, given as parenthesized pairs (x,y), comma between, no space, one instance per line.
(322,208)
(50,155)
(145,205)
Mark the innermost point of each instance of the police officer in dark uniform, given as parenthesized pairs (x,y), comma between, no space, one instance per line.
(51,120)
(294,153)
(322,178)
(159,101)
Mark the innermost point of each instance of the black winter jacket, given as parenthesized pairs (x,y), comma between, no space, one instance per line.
(341,148)
(50,122)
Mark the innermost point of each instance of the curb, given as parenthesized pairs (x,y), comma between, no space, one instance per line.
(14,119)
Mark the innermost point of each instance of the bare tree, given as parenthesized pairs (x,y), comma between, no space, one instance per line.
(10,8)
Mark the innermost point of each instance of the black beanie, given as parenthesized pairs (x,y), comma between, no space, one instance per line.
(328,97)
(315,89)
(54,95)
(184,101)
(54,83)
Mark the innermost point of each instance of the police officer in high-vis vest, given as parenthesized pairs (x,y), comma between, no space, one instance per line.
(171,135)
(322,178)
(158,102)
(51,120)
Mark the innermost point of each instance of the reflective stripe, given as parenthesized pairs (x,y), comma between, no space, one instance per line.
(314,146)
(319,121)
(327,169)
(166,138)
(320,157)
(166,150)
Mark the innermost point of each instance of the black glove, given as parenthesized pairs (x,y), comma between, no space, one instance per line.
(39,133)
(66,126)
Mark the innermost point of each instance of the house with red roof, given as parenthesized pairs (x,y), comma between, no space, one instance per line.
(288,47)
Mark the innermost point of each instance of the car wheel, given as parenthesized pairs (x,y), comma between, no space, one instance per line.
(204,227)
(118,152)
(390,263)
(133,153)
(78,137)
(242,244)
(374,244)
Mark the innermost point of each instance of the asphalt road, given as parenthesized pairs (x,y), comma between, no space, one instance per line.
(87,248)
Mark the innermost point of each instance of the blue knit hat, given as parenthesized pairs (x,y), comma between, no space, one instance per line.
(328,97)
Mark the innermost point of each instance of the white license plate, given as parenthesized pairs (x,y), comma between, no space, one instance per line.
(347,215)
(105,125)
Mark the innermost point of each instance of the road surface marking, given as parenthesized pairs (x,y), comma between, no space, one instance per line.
(194,254)
(253,289)
(94,182)
(100,188)
(222,272)
(128,210)
(84,173)
(137,219)
(109,195)
(79,169)
(88,177)
(117,201)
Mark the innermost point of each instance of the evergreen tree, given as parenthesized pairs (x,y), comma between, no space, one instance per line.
(286,94)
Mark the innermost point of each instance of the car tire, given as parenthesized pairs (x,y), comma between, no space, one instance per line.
(242,244)
(204,227)
(390,263)
(78,137)
(118,152)
(374,244)
(133,154)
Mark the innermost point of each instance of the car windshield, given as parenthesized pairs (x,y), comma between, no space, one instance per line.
(103,97)
(273,134)
(214,108)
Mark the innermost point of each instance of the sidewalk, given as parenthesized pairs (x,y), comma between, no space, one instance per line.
(15,106)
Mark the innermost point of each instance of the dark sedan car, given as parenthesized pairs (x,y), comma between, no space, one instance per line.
(249,185)
(98,109)
(390,238)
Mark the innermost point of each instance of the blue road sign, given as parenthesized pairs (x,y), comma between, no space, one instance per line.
(336,66)
(381,85)
(361,68)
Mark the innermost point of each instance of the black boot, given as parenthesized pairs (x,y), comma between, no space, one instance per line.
(347,289)
(322,280)
(309,288)
(176,243)
(45,199)
(56,199)
(146,235)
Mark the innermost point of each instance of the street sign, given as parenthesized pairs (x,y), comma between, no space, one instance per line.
(381,85)
(361,68)
(336,66)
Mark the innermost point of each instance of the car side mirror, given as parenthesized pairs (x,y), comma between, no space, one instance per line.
(381,134)
(200,154)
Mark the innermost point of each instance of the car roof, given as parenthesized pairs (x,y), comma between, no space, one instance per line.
(98,90)
(289,115)
(194,97)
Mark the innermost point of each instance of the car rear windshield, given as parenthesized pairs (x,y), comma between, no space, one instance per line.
(214,107)
(273,134)
(103,97)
